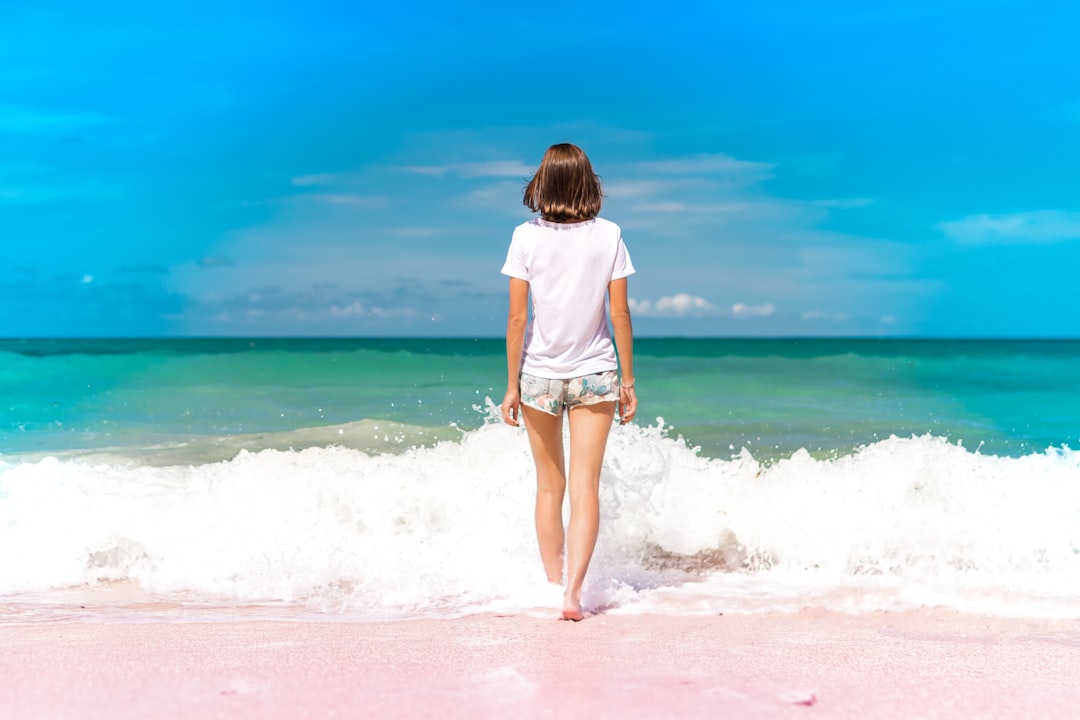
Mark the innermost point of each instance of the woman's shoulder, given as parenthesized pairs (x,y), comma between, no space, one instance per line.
(608,225)
(525,232)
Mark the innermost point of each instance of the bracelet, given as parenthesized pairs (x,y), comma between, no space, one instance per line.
(628,387)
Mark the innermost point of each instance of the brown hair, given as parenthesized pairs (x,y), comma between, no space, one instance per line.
(564,188)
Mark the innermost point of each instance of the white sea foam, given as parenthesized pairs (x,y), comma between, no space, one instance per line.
(448,529)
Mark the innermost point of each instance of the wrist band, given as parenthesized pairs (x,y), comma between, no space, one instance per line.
(628,387)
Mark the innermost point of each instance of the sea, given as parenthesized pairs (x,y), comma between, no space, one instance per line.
(371,479)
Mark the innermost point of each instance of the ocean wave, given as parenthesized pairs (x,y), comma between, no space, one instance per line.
(447,527)
(369,436)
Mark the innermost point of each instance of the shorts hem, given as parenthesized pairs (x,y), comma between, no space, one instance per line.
(594,401)
(537,406)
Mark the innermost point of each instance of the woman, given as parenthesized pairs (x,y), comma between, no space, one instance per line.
(561,360)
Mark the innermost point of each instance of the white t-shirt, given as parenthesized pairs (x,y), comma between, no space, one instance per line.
(568,267)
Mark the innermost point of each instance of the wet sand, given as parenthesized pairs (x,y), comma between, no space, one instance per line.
(810,664)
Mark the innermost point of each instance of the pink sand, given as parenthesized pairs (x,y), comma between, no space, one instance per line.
(807,665)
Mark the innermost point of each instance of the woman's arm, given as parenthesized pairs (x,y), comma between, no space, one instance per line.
(619,310)
(515,338)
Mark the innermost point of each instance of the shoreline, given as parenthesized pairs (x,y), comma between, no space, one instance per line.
(880,664)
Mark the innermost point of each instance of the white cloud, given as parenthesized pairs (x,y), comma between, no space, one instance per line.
(1036,227)
(488,168)
(367,201)
(381,312)
(316,179)
(412,232)
(715,164)
(353,308)
(678,305)
(505,196)
(338,195)
(469,170)
(706,191)
(750,209)
(310,309)
(743,310)
(663,207)
(357,309)
(845,204)
(216,261)
(701,224)
(495,168)
(687,305)
(430,170)
(827,316)
(636,188)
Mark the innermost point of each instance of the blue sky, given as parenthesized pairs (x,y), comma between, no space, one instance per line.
(326,168)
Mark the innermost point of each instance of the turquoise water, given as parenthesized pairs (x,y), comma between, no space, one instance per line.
(369,477)
(771,396)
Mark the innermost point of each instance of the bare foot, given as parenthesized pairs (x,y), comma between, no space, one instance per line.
(572,610)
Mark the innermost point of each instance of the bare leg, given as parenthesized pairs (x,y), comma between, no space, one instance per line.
(589,428)
(545,438)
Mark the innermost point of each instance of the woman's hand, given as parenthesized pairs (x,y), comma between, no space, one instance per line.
(511,407)
(627,403)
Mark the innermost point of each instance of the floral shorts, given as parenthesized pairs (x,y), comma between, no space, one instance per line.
(552,396)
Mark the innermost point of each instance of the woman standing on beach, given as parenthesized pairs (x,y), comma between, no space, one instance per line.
(561,360)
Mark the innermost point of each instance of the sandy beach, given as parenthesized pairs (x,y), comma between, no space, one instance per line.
(810,664)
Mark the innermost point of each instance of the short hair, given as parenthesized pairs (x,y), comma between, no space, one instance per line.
(564,188)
